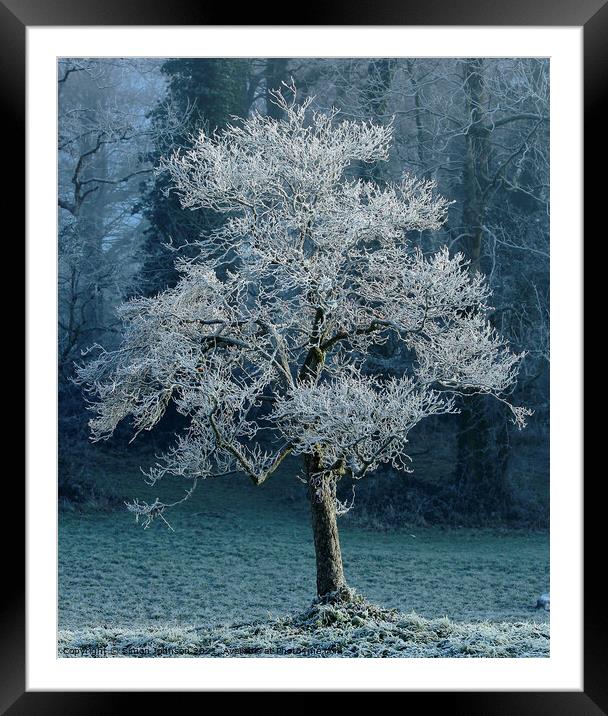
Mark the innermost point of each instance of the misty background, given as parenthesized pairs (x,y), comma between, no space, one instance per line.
(479,127)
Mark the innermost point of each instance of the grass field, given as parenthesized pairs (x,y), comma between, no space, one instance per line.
(240,554)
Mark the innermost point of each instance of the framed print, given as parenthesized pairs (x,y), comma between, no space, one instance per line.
(304,353)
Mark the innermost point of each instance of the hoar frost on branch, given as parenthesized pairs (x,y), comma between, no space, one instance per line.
(262,343)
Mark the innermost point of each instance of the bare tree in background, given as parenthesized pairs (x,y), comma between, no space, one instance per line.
(103,136)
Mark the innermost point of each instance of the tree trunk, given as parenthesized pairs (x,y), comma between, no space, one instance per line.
(330,572)
(481,463)
(275,73)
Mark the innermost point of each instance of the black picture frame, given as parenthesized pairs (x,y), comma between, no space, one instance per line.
(17,15)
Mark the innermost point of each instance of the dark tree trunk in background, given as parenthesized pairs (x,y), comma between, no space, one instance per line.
(411,69)
(482,443)
(375,95)
(476,163)
(330,572)
(275,74)
(482,460)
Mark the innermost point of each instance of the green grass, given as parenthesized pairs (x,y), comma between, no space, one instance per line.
(241,554)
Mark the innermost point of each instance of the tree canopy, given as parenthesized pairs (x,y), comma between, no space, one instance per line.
(262,343)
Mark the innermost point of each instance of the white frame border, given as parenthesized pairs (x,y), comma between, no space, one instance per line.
(563,669)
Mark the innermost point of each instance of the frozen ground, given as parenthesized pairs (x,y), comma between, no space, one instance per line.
(351,630)
(241,554)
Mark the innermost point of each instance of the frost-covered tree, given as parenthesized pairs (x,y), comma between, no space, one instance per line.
(262,344)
